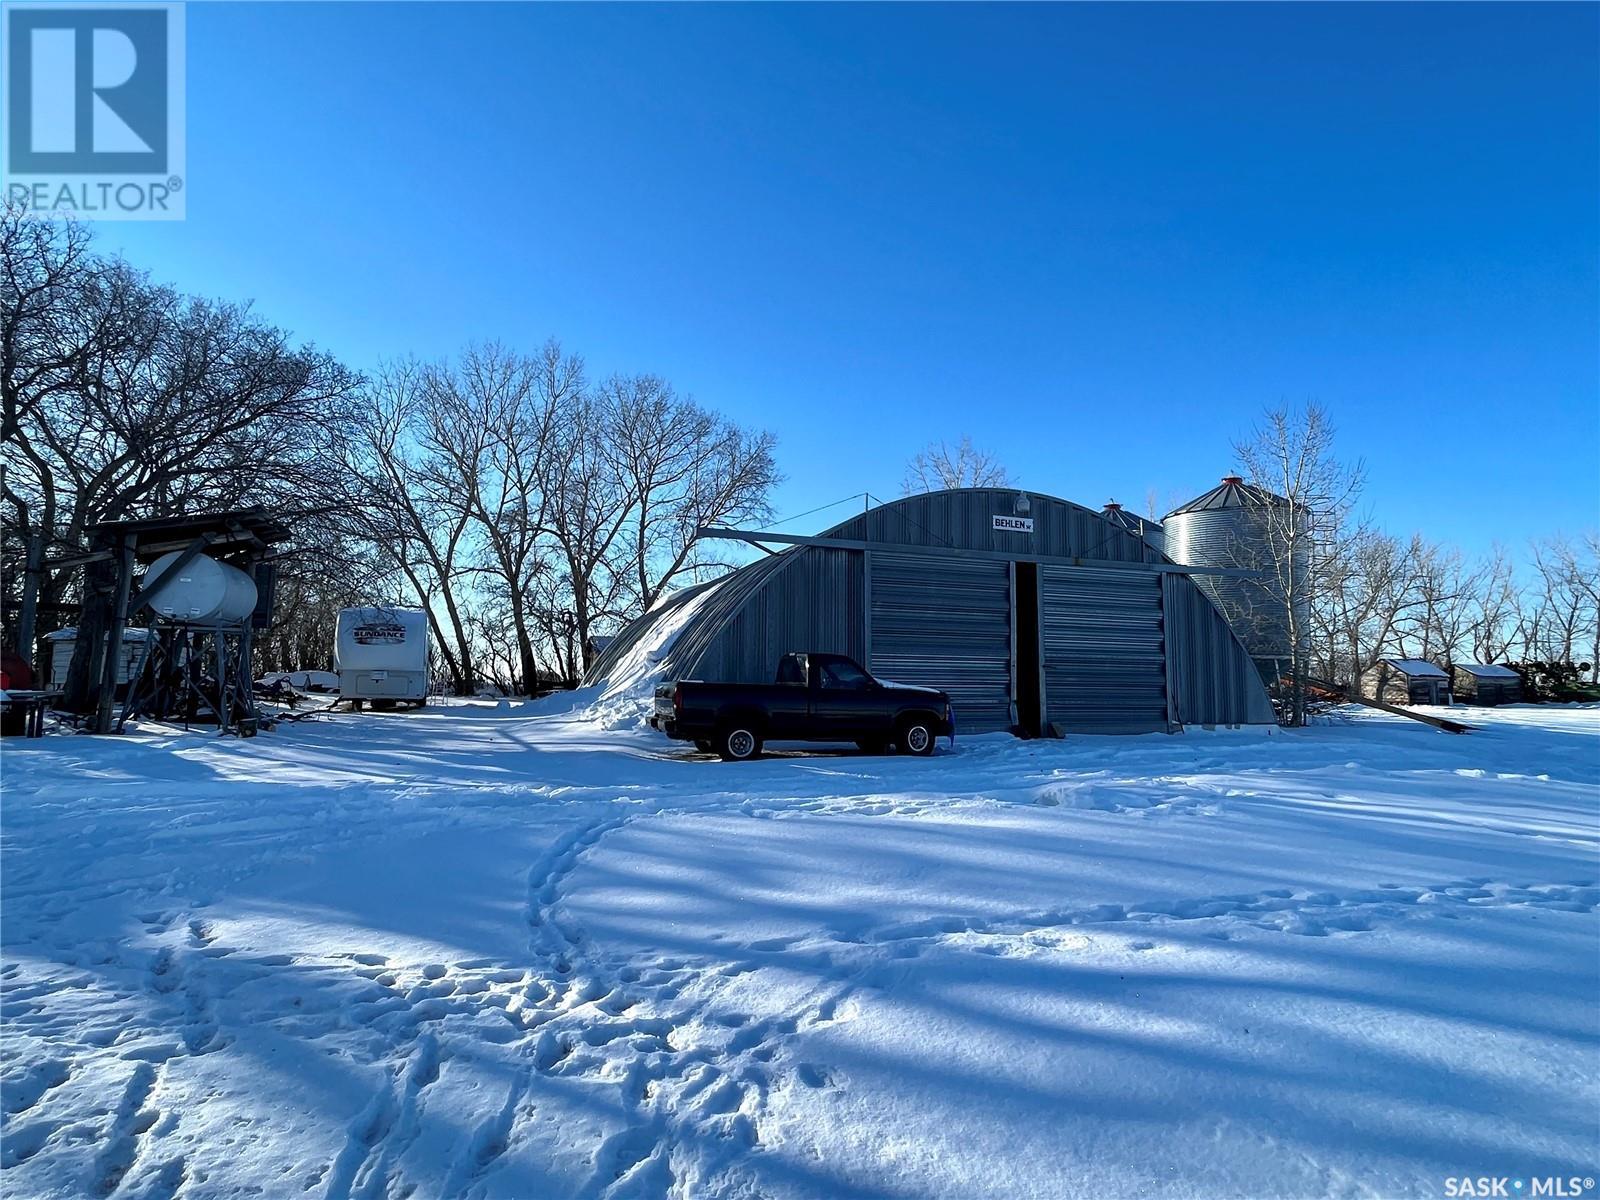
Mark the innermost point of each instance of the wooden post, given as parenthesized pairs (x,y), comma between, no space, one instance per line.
(30,598)
(119,617)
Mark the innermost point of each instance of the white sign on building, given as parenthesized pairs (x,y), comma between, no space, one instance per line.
(1014,524)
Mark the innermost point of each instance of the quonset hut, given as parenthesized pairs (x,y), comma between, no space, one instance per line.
(1035,614)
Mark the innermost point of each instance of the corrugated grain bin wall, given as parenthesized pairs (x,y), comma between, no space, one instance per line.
(1231,527)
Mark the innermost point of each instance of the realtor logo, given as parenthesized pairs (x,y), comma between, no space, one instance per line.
(93,110)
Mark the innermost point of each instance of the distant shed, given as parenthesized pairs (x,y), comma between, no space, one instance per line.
(1485,683)
(1406,681)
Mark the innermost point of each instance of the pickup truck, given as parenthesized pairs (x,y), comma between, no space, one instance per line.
(815,698)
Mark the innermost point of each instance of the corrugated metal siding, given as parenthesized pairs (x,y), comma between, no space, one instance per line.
(1210,677)
(945,623)
(706,627)
(964,518)
(1104,651)
(812,601)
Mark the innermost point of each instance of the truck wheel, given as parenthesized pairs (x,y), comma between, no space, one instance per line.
(871,745)
(704,745)
(738,743)
(916,738)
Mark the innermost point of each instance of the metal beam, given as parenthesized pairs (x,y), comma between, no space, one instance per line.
(756,537)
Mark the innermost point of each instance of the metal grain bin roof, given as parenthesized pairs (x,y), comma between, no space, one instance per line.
(1123,519)
(1147,528)
(1232,492)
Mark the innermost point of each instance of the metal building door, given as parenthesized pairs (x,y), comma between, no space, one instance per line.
(944,622)
(1105,665)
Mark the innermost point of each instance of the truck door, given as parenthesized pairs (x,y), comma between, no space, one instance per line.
(788,711)
(845,704)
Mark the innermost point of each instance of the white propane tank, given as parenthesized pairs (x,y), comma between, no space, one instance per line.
(204,590)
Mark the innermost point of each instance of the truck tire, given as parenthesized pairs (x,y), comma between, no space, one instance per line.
(738,743)
(705,745)
(916,737)
(871,745)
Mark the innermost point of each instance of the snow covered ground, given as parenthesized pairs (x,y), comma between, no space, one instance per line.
(501,951)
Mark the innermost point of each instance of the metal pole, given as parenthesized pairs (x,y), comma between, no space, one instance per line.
(119,617)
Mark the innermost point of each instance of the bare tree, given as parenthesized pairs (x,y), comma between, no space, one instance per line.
(1494,606)
(1559,619)
(48,319)
(1363,592)
(684,468)
(486,424)
(1439,625)
(1291,454)
(399,505)
(588,509)
(940,466)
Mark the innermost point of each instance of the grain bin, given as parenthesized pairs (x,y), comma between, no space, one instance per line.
(1145,528)
(202,592)
(1239,526)
(381,655)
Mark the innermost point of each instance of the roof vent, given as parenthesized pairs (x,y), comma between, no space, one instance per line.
(1234,480)
(1113,506)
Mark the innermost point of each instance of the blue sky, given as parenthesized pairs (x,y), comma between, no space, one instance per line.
(1097,239)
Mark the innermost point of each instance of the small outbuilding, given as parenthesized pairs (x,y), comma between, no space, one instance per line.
(1485,683)
(63,645)
(1406,681)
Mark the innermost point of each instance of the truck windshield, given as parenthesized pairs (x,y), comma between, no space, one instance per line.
(844,676)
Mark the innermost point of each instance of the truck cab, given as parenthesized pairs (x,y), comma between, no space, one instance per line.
(814,696)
